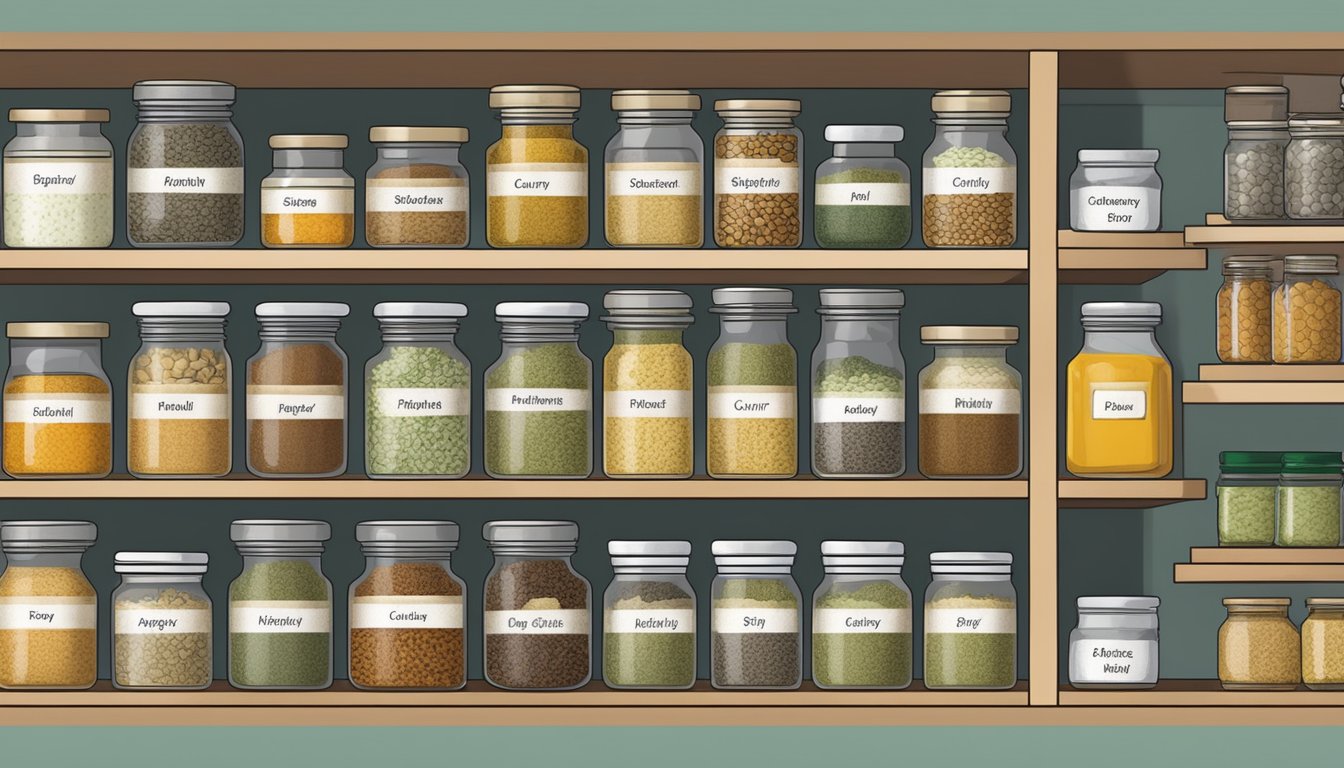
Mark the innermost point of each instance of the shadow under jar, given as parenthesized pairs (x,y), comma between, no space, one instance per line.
(756,621)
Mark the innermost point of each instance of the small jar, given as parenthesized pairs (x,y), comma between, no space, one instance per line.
(863,191)
(415,193)
(58,179)
(417,394)
(1247,485)
(1309,500)
(1323,644)
(180,392)
(57,402)
(184,166)
(655,171)
(1258,645)
(296,392)
(538,624)
(756,623)
(1245,318)
(1115,645)
(48,608)
(1313,167)
(970,403)
(861,617)
(648,627)
(539,393)
(858,385)
(1116,190)
(407,608)
(758,178)
(536,180)
(970,621)
(308,201)
(280,606)
(970,172)
(1307,310)
(162,635)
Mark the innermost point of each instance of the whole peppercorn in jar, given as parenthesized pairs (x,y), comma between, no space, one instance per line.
(415,193)
(970,403)
(1257,134)
(162,636)
(863,192)
(655,171)
(308,201)
(1323,644)
(970,172)
(970,621)
(1247,485)
(1307,311)
(1259,648)
(1245,318)
(648,624)
(756,620)
(1313,167)
(58,180)
(1309,500)
(536,181)
(758,178)
(861,636)
(48,608)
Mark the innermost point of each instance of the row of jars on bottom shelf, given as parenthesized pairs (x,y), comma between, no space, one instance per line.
(1260,648)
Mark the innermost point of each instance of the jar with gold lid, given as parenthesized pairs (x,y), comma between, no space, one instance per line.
(536,181)
(1258,645)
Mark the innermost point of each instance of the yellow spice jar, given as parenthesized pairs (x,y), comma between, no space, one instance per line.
(536,181)
(1307,311)
(1245,323)
(1323,644)
(48,609)
(308,201)
(1258,645)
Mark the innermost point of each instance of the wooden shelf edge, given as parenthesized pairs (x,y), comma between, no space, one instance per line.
(1257,573)
(1179,694)
(1217,231)
(1121,241)
(1079,493)
(1262,392)
(1287,556)
(1221,372)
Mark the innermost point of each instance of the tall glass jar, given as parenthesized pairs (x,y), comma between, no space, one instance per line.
(1313,167)
(1323,644)
(1259,647)
(970,621)
(970,172)
(1116,190)
(756,621)
(648,626)
(536,181)
(758,178)
(162,633)
(296,392)
(1115,645)
(1309,500)
(858,385)
(539,393)
(308,201)
(1307,310)
(1247,484)
(970,403)
(1257,135)
(58,179)
(655,171)
(861,635)
(863,191)
(57,402)
(1245,322)
(417,394)
(415,193)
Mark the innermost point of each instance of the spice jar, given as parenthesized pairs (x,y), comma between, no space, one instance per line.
(970,403)
(415,193)
(1307,310)
(758,187)
(280,606)
(970,621)
(536,180)
(863,191)
(180,386)
(648,628)
(1257,133)
(970,172)
(1244,318)
(1313,167)
(538,629)
(647,386)
(1323,644)
(308,201)
(1309,500)
(1258,646)
(407,608)
(858,385)
(184,166)
(296,392)
(58,180)
(58,402)
(1115,645)
(1119,413)
(539,393)
(1247,485)
(1116,190)
(48,608)
(655,171)
(161,622)
(861,617)
(417,394)
(756,622)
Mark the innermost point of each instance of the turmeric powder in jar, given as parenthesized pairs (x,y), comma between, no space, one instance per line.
(308,201)
(1307,311)
(536,181)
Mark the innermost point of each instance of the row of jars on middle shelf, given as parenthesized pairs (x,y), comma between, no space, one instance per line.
(1273,310)
(1289,499)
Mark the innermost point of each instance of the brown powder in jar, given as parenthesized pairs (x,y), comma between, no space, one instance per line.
(384,228)
(408,658)
(296,446)
(969,445)
(547,661)
(749,219)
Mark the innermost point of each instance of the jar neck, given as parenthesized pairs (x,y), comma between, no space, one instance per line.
(1257,134)
(647,336)
(289,328)
(648,570)
(40,354)
(1117,620)
(179,329)
(770,571)
(985,353)
(539,332)
(776,123)
(387,559)
(410,331)
(877,329)
(758,330)
(196,113)
(509,553)
(441,152)
(186,579)
(949,124)
(863,572)
(533,127)
(1246,273)
(1257,612)
(333,159)
(44,559)
(865,149)
(309,555)
(976,577)
(59,130)
(1326,611)
(654,117)
(1122,339)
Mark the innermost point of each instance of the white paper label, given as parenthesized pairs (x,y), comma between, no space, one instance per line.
(406,612)
(970,181)
(839,621)
(537,180)
(58,177)
(185,181)
(769,177)
(632,621)
(161,621)
(389,199)
(284,200)
(979,621)
(752,403)
(828,410)
(1113,661)
(863,194)
(179,406)
(745,621)
(398,401)
(279,616)
(1111,404)
(970,401)
(71,408)
(506,399)
(648,403)
(663,179)
(48,613)
(1116,209)
(544,622)
(294,404)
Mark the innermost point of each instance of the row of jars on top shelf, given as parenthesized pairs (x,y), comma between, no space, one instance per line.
(185,180)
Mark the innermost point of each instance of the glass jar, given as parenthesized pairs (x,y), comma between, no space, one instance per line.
(758,178)
(280,606)
(536,180)
(753,386)
(539,393)
(655,171)
(58,402)
(407,608)
(296,392)
(863,191)
(1116,190)
(1245,322)
(648,628)
(970,403)
(184,166)
(48,608)
(1257,134)
(861,617)
(970,172)
(1247,485)
(538,625)
(1307,310)
(415,193)
(308,201)
(1258,645)
(1120,407)
(162,635)
(417,394)
(756,623)
(180,392)
(1313,167)
(58,180)
(1115,645)
(1323,644)
(1309,500)
(970,621)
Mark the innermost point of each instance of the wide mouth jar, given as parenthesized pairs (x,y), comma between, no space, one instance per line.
(291,319)
(523,321)
(171,99)
(647,310)
(971,107)
(651,107)
(181,320)
(315,150)
(753,303)
(280,537)
(37,537)
(535,104)
(411,321)
(532,538)
(1121,315)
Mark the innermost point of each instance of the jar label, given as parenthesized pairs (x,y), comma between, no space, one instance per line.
(1113,661)
(179,406)
(979,621)
(52,408)
(828,410)
(541,622)
(663,179)
(283,402)
(755,177)
(839,621)
(1127,401)
(659,621)
(418,401)
(962,402)
(58,177)
(1122,209)
(404,197)
(746,402)
(648,403)
(747,621)
(406,612)
(185,181)
(970,181)
(536,180)
(510,399)
(279,616)
(863,194)
(23,613)
(280,200)
(161,621)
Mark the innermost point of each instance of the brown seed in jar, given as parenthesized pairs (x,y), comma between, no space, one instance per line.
(970,220)
(754,219)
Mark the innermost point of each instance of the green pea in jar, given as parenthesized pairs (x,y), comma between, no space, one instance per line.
(1309,500)
(1246,493)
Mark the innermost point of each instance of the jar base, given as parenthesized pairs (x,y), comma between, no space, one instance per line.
(1259,686)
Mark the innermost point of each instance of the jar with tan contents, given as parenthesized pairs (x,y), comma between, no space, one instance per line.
(970,172)
(654,168)
(1307,311)
(415,193)
(1258,645)
(536,180)
(758,187)
(308,201)
(1323,644)
(1244,317)
(48,608)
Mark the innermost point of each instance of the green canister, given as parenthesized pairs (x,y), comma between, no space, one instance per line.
(1309,500)
(1247,484)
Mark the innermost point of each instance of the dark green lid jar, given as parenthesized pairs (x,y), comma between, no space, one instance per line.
(1250,462)
(1311,463)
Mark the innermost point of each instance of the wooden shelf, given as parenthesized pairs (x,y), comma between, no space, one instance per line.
(1218,231)
(1200,693)
(1282,391)
(1269,555)
(1251,565)
(1078,493)
(1275,373)
(1123,258)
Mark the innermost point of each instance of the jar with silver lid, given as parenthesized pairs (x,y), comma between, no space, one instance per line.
(1257,133)
(1115,643)
(162,634)
(1116,190)
(648,627)
(1314,167)
(861,617)
(970,621)
(756,620)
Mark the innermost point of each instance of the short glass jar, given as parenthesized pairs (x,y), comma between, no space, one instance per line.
(415,193)
(417,394)
(1309,500)
(1323,644)
(536,181)
(758,177)
(655,171)
(1313,167)
(1116,190)
(1258,646)
(756,621)
(648,626)
(970,621)
(861,625)
(1247,485)
(1307,310)
(970,172)
(970,403)
(863,191)
(162,633)
(57,402)
(58,179)
(296,392)
(308,201)
(1115,645)
(1245,315)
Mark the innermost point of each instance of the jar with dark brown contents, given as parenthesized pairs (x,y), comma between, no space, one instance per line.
(296,392)
(970,403)
(416,191)
(758,157)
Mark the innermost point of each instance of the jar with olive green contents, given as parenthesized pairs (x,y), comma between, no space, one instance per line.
(1323,644)
(1247,485)
(1258,646)
(970,621)
(536,181)
(1309,500)
(1307,310)
(970,172)
(758,190)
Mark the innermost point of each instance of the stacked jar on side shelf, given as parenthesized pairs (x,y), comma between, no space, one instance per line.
(1292,319)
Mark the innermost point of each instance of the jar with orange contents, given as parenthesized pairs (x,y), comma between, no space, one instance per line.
(1244,315)
(308,201)
(1307,310)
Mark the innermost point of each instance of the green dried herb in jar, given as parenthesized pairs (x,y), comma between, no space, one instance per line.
(863,192)
(648,636)
(861,617)
(1309,500)
(970,621)
(1246,489)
